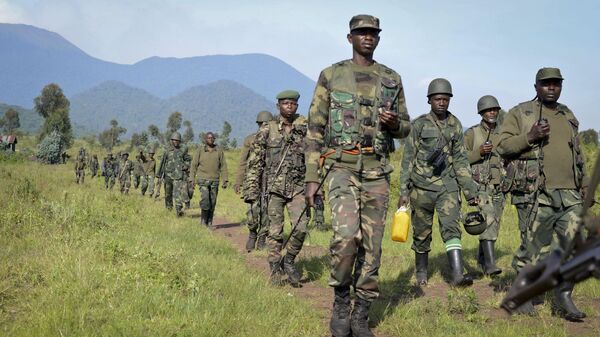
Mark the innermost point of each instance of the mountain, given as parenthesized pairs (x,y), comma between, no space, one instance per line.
(31,57)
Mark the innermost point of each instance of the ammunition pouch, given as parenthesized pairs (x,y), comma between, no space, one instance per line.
(522,176)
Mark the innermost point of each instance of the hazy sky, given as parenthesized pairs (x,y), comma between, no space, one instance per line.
(481,47)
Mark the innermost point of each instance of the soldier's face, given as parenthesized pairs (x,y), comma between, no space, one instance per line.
(490,115)
(175,143)
(287,107)
(439,103)
(210,140)
(549,90)
(364,40)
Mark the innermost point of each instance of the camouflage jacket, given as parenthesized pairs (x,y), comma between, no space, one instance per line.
(344,115)
(94,164)
(176,162)
(138,165)
(149,167)
(241,172)
(486,170)
(280,156)
(126,167)
(80,163)
(454,172)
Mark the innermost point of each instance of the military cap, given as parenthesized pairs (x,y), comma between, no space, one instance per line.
(548,73)
(364,21)
(288,94)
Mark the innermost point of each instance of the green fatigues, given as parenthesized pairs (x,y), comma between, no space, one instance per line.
(149,168)
(554,181)
(524,204)
(436,189)
(94,167)
(176,162)
(487,172)
(208,167)
(138,171)
(257,217)
(80,170)
(344,115)
(125,175)
(110,167)
(279,156)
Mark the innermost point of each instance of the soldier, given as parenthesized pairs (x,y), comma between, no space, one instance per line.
(277,153)
(175,161)
(94,165)
(357,110)
(434,166)
(540,136)
(210,166)
(148,173)
(257,217)
(109,170)
(125,173)
(138,169)
(80,167)
(481,142)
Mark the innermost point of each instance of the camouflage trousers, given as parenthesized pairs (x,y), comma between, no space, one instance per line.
(359,206)
(294,206)
(424,203)
(125,183)
(524,204)
(157,186)
(109,180)
(136,180)
(147,184)
(258,222)
(492,208)
(209,191)
(79,176)
(94,172)
(175,189)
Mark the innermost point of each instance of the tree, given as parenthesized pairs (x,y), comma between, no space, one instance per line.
(11,121)
(50,100)
(224,136)
(154,132)
(589,137)
(60,122)
(111,136)
(174,122)
(140,139)
(234,144)
(188,135)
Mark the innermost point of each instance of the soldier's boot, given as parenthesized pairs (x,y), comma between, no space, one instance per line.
(209,219)
(359,321)
(457,278)
(526,308)
(563,303)
(489,261)
(261,243)
(339,325)
(421,262)
(290,269)
(251,242)
(276,273)
(178,211)
(203,219)
(126,191)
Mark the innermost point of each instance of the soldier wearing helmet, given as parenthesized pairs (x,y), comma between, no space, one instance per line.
(481,142)
(256,217)
(110,167)
(148,169)
(434,170)
(173,164)
(546,173)
(125,173)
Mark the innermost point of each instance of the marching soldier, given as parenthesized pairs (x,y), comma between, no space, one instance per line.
(149,167)
(94,165)
(80,164)
(125,173)
(110,167)
(174,162)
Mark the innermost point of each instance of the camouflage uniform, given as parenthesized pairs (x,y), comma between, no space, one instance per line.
(278,156)
(80,168)
(208,167)
(149,167)
(110,168)
(94,166)
(175,161)
(344,128)
(125,174)
(138,170)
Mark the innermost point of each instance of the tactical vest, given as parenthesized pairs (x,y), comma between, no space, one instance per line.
(486,169)
(353,119)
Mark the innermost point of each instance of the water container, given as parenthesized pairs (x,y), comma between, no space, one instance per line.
(400,224)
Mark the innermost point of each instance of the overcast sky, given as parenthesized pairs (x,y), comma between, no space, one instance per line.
(481,47)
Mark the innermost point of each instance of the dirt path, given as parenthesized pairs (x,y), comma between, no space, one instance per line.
(321,297)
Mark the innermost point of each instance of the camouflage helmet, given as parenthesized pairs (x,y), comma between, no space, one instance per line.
(475,223)
(439,86)
(176,136)
(487,102)
(264,116)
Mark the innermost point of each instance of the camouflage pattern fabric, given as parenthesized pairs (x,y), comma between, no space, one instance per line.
(176,163)
(209,190)
(294,206)
(80,169)
(110,167)
(491,204)
(138,170)
(94,166)
(147,183)
(258,222)
(125,176)
(359,206)
(175,190)
(524,204)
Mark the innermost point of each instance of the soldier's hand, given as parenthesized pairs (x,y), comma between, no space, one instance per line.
(225,184)
(538,132)
(485,148)
(309,193)
(403,201)
(236,188)
(388,118)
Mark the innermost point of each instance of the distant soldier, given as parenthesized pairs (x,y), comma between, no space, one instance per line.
(257,217)
(80,164)
(174,162)
(433,171)
(94,165)
(208,167)
(148,173)
(540,137)
(110,168)
(277,153)
(138,169)
(481,142)
(126,168)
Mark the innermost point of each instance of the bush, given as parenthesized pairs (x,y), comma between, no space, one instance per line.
(51,148)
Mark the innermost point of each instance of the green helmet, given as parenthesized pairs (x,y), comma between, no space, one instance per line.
(487,102)
(475,223)
(176,136)
(264,116)
(439,86)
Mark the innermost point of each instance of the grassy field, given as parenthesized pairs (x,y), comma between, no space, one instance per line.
(77,260)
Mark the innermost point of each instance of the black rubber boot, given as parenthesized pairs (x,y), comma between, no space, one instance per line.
(209,219)
(178,211)
(261,243)
(290,269)
(359,321)
(421,262)
(339,325)
(489,261)
(276,273)
(526,308)
(457,279)
(203,218)
(251,242)
(563,303)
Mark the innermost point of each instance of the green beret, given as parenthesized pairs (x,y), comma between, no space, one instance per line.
(288,94)
(364,21)
(548,73)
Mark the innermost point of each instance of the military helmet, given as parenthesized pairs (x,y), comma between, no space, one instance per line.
(439,86)
(475,223)
(176,136)
(487,102)
(264,116)
(151,150)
